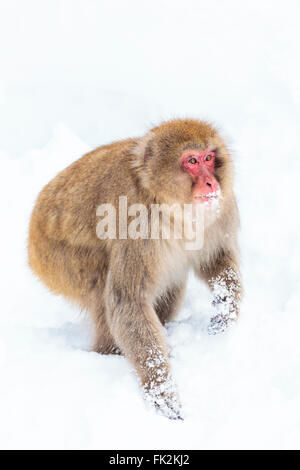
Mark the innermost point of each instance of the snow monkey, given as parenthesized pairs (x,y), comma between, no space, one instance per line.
(132,286)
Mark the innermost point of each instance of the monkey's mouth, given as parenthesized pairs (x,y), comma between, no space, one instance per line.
(208,198)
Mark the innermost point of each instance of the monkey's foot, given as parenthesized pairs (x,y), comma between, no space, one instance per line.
(219,323)
(107,349)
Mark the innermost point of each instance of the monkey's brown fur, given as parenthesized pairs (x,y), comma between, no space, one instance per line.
(131,287)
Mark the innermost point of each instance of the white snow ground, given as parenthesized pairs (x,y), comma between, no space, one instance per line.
(77,74)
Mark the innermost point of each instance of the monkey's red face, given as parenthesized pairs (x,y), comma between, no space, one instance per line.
(201,167)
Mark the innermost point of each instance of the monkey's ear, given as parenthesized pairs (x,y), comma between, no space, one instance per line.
(144,150)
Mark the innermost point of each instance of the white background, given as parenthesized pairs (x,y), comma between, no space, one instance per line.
(75,74)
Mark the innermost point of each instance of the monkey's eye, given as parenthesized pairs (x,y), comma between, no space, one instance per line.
(192,160)
(209,157)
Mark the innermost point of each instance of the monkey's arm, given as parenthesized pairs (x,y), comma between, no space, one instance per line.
(135,325)
(223,277)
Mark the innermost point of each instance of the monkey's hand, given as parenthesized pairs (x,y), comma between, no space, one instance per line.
(226,290)
(164,398)
(225,316)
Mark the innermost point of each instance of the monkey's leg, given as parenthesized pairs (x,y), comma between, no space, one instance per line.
(167,305)
(103,342)
(223,278)
(139,334)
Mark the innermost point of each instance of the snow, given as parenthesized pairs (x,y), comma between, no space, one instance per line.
(77,74)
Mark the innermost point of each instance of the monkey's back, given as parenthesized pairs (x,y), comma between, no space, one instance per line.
(63,248)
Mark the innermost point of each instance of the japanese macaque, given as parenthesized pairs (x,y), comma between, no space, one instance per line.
(132,286)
